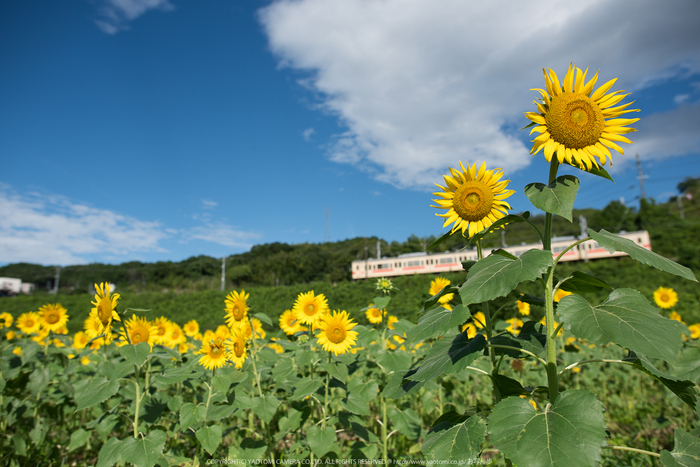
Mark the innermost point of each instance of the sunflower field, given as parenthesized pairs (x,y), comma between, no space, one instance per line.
(519,362)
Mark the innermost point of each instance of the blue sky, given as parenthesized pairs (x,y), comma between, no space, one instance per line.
(161,129)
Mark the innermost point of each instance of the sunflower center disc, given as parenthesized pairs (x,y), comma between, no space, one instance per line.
(473,200)
(237,313)
(215,352)
(574,120)
(310,309)
(30,323)
(238,349)
(52,319)
(664,298)
(337,335)
(104,311)
(136,338)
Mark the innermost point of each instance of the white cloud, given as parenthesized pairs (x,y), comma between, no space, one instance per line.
(116,14)
(209,204)
(680,98)
(667,134)
(308,133)
(55,230)
(420,85)
(221,234)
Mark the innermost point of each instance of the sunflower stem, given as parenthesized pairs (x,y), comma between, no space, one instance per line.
(552,376)
(385,438)
(325,400)
(489,333)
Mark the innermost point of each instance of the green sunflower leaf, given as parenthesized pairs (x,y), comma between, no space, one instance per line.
(570,433)
(496,276)
(432,301)
(96,391)
(406,421)
(437,321)
(686,450)
(393,361)
(306,387)
(143,451)
(209,437)
(448,440)
(78,439)
(321,440)
(189,416)
(612,243)
(580,282)
(135,354)
(597,171)
(625,318)
(266,407)
(360,393)
(683,389)
(264,318)
(441,239)
(449,356)
(557,198)
(399,385)
(109,453)
(381,302)
(687,365)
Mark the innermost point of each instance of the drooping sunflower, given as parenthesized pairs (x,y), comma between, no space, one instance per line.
(191,328)
(237,309)
(289,323)
(578,124)
(29,322)
(524,308)
(310,308)
(374,314)
(237,348)
(473,198)
(162,328)
(140,330)
(53,316)
(105,309)
(213,354)
(436,286)
(336,335)
(665,297)
(6,320)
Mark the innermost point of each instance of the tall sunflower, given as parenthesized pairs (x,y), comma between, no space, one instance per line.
(191,328)
(53,316)
(374,314)
(237,348)
(290,324)
(140,330)
(105,309)
(665,297)
(336,335)
(29,322)
(162,328)
(213,354)
(310,309)
(237,309)
(473,198)
(578,124)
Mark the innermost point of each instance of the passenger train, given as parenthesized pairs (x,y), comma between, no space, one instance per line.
(426,263)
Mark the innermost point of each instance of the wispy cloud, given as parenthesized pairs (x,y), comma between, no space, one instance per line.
(419,86)
(222,234)
(308,133)
(115,15)
(55,230)
(672,133)
(209,204)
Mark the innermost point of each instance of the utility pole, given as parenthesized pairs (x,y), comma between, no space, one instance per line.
(640,176)
(223,272)
(503,238)
(379,249)
(57,278)
(680,205)
(584,233)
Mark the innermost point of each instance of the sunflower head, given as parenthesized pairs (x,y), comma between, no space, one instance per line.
(374,314)
(310,308)
(473,198)
(140,330)
(53,316)
(29,322)
(390,321)
(257,326)
(237,309)
(191,328)
(105,309)
(559,294)
(384,285)
(213,354)
(80,340)
(290,324)
(665,297)
(578,124)
(336,334)
(523,308)
(237,348)
(161,329)
(6,320)
(479,320)
(436,286)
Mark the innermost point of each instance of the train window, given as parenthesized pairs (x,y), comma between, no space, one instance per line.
(412,263)
(445,260)
(639,240)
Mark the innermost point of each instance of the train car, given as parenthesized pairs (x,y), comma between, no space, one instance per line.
(436,263)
